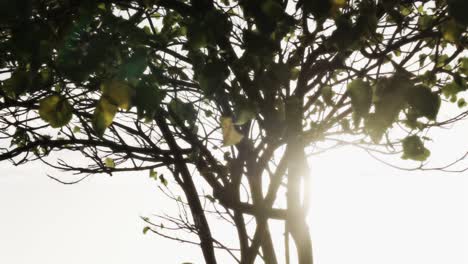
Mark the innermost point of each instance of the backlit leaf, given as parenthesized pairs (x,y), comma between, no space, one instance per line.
(451,31)
(424,102)
(55,110)
(110,163)
(413,148)
(422,59)
(153,174)
(245,113)
(389,99)
(451,90)
(103,115)
(117,92)
(184,111)
(163,180)
(425,21)
(295,73)
(464,66)
(360,93)
(230,135)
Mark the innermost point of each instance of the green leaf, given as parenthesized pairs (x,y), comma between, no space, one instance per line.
(413,148)
(245,113)
(426,21)
(146,229)
(110,163)
(422,59)
(244,116)
(366,23)
(421,9)
(272,8)
(451,90)
(212,76)
(360,93)
(153,174)
(196,35)
(280,72)
(389,99)
(295,73)
(439,60)
(134,67)
(102,6)
(423,101)
(103,115)
(17,84)
(344,37)
(451,31)
(163,180)
(148,98)
(55,110)
(464,66)
(20,138)
(406,10)
(117,92)
(397,52)
(183,111)
(320,8)
(208,113)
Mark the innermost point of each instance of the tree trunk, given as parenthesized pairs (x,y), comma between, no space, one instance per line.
(297,171)
(296,221)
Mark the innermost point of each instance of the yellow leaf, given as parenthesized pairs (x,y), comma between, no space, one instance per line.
(103,115)
(230,134)
(117,92)
(55,110)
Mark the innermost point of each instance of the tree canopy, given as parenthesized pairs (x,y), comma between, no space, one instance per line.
(229,96)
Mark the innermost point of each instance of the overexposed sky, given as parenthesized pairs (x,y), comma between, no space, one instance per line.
(363,212)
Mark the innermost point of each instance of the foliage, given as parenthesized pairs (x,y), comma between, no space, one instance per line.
(235,92)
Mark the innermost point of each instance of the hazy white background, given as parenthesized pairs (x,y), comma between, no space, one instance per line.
(363,212)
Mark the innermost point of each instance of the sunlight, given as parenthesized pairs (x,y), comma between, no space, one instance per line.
(223,131)
(366,208)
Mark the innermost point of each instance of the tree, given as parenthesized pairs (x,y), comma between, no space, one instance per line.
(231,97)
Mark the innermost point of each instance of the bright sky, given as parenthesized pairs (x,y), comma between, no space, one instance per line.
(363,212)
